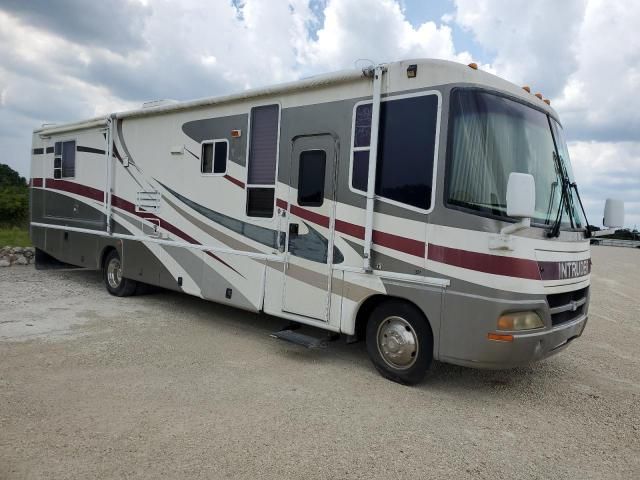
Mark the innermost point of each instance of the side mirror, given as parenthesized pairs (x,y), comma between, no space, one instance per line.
(613,213)
(521,195)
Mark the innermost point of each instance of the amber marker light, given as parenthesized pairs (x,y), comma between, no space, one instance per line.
(236,133)
(527,88)
(498,337)
(473,65)
(539,95)
(547,101)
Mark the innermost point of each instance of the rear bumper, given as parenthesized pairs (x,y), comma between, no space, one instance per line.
(525,348)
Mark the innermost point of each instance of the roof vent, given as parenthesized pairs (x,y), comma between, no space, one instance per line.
(159,103)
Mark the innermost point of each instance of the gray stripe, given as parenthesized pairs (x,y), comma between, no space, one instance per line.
(262,235)
(221,237)
(212,285)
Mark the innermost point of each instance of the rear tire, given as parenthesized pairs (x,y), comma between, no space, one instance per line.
(399,342)
(114,281)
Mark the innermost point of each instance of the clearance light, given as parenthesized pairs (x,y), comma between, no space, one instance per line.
(520,321)
(473,65)
(547,101)
(500,338)
(527,88)
(539,95)
(236,133)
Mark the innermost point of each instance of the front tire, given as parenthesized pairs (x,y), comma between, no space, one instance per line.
(114,281)
(399,342)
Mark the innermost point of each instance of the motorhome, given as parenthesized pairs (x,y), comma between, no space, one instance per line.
(424,206)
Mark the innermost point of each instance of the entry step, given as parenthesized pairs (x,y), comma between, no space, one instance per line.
(300,338)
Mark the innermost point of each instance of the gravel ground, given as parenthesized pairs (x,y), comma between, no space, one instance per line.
(169,386)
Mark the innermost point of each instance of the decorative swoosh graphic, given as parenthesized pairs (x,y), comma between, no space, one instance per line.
(311,246)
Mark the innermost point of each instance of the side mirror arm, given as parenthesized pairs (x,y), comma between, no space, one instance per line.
(504,240)
(521,225)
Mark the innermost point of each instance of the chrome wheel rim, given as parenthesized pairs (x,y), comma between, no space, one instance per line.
(114,273)
(397,343)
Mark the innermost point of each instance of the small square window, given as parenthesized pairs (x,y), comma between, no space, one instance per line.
(64,160)
(260,202)
(213,157)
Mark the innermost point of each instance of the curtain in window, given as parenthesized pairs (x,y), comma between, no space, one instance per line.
(492,137)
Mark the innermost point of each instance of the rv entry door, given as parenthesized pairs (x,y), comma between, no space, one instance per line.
(309,246)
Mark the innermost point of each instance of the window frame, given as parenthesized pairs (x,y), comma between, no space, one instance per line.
(248,185)
(352,149)
(75,163)
(213,157)
(324,177)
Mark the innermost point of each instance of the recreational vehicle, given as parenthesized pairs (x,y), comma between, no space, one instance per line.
(424,206)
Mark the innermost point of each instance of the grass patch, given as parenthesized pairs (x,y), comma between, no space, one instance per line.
(14,237)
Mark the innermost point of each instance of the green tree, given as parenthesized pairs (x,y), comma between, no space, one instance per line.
(14,198)
(10,178)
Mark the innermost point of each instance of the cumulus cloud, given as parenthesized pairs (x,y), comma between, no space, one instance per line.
(608,169)
(532,41)
(599,100)
(116,24)
(376,30)
(585,56)
(71,59)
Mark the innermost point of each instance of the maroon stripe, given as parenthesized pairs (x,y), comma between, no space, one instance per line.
(389,240)
(313,217)
(123,204)
(396,242)
(130,207)
(235,181)
(36,182)
(483,262)
(78,189)
(350,229)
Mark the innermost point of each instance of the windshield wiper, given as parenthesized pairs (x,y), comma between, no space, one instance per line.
(588,229)
(565,196)
(566,200)
(552,197)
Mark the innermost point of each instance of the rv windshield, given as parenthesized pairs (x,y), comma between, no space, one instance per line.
(493,136)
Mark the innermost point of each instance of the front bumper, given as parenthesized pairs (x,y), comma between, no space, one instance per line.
(525,347)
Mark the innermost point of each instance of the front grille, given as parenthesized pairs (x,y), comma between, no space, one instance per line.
(567,306)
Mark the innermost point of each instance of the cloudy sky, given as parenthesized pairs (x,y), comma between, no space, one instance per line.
(65,60)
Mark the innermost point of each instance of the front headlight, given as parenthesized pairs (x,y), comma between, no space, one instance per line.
(520,321)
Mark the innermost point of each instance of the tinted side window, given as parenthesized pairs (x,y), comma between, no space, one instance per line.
(260,202)
(206,158)
(220,157)
(406,148)
(213,158)
(263,146)
(263,150)
(360,171)
(64,160)
(311,178)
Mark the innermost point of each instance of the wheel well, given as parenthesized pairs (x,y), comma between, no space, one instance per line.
(364,312)
(104,254)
